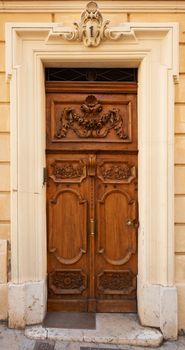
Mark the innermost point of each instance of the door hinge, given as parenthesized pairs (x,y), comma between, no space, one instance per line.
(44,176)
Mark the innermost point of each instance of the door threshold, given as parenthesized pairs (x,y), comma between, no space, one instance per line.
(70,320)
(111,328)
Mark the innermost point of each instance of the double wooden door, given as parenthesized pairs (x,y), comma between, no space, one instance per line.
(92,196)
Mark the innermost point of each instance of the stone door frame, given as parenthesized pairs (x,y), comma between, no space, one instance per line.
(154,50)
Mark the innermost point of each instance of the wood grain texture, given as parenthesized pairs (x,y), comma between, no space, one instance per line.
(92,196)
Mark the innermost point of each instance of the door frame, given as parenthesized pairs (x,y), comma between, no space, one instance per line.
(155,53)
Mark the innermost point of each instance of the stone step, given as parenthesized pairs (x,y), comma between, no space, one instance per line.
(117,329)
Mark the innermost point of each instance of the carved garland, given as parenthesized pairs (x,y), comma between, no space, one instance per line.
(110,171)
(67,170)
(91,123)
(117,172)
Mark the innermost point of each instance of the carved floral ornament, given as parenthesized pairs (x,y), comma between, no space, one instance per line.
(117,282)
(120,171)
(65,281)
(90,122)
(92,29)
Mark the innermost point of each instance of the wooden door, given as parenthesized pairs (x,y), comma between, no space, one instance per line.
(92,196)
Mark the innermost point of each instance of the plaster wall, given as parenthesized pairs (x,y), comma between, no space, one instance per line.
(67,18)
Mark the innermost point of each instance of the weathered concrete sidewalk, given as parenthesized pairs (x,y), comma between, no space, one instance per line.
(16,340)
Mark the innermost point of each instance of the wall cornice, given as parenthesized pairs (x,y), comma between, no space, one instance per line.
(147,6)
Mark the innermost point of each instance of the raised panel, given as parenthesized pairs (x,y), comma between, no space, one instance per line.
(91,118)
(113,171)
(67,281)
(68,226)
(116,282)
(116,240)
(71,171)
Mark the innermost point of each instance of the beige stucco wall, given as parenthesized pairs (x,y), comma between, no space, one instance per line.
(179,166)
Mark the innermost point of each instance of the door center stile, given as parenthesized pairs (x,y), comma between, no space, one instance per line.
(92,230)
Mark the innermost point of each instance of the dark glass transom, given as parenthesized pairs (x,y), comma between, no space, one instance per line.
(91,74)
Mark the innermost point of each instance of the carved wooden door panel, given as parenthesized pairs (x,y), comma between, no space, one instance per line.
(68,257)
(92,196)
(116,251)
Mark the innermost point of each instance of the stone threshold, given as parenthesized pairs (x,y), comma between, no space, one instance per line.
(115,329)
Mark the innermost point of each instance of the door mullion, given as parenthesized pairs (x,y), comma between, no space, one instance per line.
(92,173)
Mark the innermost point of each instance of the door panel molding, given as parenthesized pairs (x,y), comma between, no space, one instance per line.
(53,247)
(67,282)
(85,118)
(126,231)
(110,171)
(117,282)
(68,171)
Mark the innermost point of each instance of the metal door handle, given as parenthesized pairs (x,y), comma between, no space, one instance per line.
(133,223)
(92,228)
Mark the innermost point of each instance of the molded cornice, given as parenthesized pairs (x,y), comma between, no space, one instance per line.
(157,6)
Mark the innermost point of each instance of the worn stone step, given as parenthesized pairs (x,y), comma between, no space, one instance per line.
(117,329)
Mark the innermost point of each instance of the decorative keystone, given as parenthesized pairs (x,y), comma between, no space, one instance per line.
(92,29)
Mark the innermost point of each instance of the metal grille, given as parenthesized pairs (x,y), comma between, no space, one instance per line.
(91,74)
(43,345)
(99,348)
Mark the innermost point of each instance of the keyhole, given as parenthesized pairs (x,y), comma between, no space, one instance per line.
(91,31)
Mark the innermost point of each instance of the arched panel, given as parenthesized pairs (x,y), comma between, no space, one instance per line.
(68,216)
(115,236)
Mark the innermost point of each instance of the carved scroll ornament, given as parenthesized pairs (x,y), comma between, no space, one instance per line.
(92,29)
(91,123)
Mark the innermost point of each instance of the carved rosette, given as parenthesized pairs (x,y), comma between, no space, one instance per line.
(68,171)
(116,282)
(122,172)
(91,123)
(67,281)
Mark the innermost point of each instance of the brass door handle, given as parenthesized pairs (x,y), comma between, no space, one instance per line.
(132,222)
(92,227)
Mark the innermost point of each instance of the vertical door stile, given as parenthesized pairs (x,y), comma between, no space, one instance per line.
(92,173)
